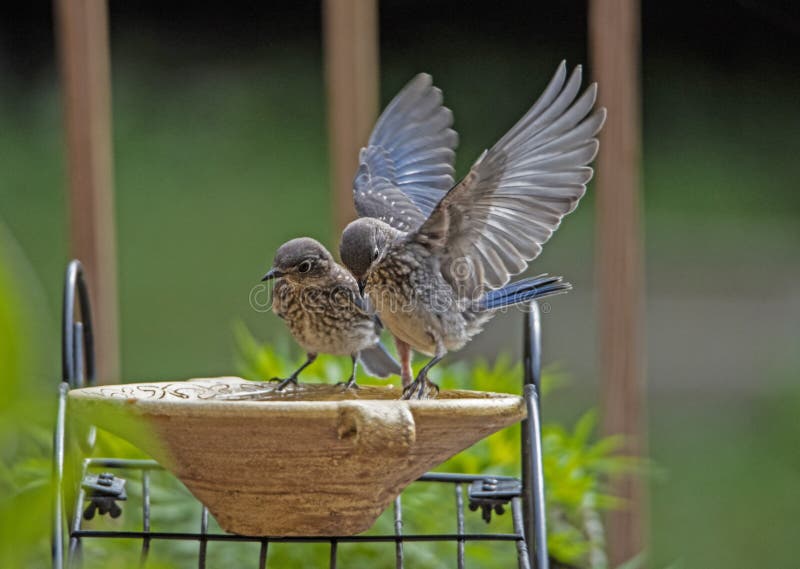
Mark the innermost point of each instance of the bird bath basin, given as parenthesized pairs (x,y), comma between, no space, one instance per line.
(315,460)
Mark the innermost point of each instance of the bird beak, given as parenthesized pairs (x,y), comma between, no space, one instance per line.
(271,274)
(361,285)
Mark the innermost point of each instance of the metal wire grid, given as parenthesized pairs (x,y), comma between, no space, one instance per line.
(526,498)
(78,534)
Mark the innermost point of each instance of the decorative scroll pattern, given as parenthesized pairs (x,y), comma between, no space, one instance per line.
(238,389)
(195,389)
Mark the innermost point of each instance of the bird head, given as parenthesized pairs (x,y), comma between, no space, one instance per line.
(363,242)
(299,260)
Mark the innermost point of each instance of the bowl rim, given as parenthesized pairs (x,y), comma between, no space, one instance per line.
(486,400)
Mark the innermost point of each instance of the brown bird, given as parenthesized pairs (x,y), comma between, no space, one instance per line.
(321,304)
(406,167)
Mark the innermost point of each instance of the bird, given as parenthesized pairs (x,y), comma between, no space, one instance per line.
(406,167)
(320,302)
(436,277)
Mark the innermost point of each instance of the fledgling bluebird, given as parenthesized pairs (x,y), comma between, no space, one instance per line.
(439,275)
(320,302)
(406,167)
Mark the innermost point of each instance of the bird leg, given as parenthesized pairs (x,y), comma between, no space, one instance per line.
(351,382)
(293,378)
(422,387)
(404,351)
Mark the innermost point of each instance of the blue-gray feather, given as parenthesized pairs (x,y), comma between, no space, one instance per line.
(524,290)
(379,362)
(407,165)
(516,194)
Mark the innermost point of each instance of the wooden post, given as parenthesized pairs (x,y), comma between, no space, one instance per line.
(83,50)
(615,44)
(351,64)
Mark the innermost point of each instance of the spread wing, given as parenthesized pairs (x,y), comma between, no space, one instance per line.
(407,166)
(496,219)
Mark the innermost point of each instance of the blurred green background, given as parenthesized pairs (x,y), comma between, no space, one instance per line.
(220,155)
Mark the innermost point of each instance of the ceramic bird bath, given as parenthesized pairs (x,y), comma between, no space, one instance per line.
(315,460)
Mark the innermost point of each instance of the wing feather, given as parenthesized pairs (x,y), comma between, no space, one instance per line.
(407,165)
(498,217)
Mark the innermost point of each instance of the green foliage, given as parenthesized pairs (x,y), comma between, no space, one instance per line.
(24,435)
(577,465)
(27,414)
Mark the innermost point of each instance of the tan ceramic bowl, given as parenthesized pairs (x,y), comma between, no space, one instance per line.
(313,461)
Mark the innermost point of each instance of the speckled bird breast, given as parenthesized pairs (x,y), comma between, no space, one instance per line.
(414,301)
(324,319)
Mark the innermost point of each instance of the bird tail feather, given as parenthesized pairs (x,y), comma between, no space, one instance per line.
(379,362)
(524,290)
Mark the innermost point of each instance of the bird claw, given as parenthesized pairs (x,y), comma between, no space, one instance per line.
(349,384)
(284,382)
(420,388)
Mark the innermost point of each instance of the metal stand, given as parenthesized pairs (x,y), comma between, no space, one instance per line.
(78,370)
(532,474)
(103,484)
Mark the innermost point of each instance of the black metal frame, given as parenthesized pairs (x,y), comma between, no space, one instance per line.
(485,492)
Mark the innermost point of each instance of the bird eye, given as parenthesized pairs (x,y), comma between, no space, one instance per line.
(304,267)
(375,253)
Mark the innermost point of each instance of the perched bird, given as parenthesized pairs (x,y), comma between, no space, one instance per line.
(436,277)
(406,167)
(320,302)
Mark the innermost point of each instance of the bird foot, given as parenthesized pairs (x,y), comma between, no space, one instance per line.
(349,384)
(421,388)
(284,382)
